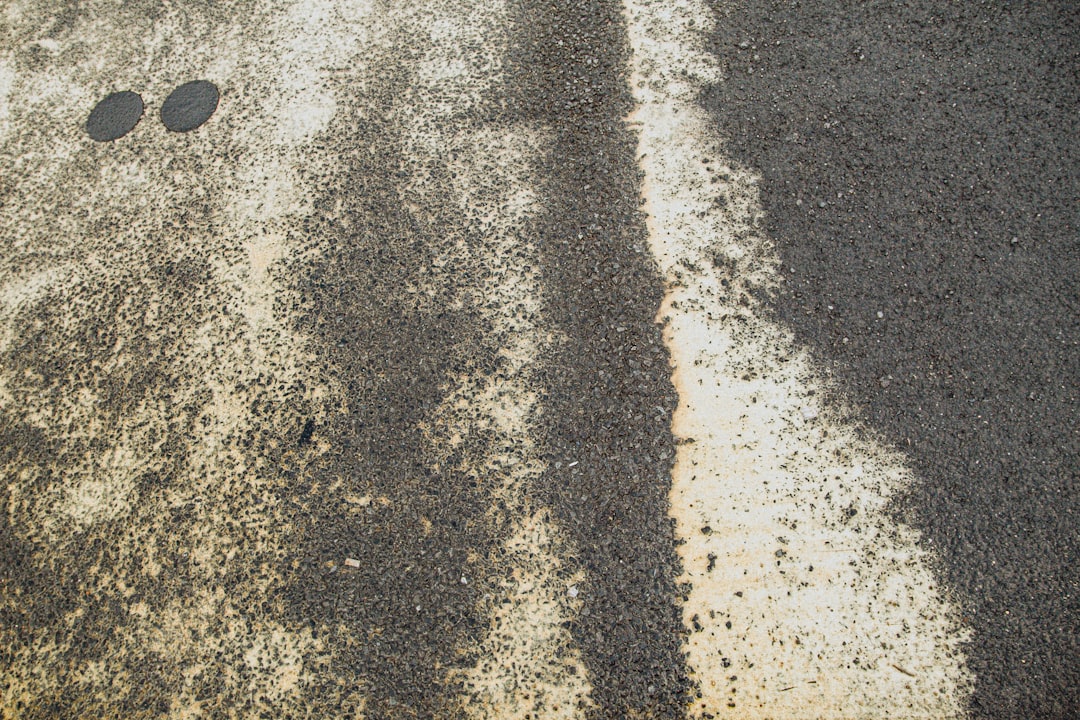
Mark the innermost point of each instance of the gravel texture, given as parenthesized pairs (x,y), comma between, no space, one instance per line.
(919,176)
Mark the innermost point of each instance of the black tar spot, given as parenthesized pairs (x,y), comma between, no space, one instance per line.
(306,433)
(114,116)
(190,105)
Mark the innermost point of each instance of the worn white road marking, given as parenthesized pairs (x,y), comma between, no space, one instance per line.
(807,600)
(88,244)
(7,79)
(239,188)
(528,664)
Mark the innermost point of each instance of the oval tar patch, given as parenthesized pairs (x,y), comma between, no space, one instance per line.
(190,105)
(114,116)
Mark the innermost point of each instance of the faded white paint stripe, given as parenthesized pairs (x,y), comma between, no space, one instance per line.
(807,600)
(7,79)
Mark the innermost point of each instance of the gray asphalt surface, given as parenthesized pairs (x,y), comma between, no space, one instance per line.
(919,175)
(606,394)
(921,160)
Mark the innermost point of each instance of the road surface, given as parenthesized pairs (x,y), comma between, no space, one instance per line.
(538,359)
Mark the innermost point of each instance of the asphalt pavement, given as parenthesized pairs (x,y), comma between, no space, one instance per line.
(538,359)
(920,176)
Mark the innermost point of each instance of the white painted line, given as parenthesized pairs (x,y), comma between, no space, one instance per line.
(806,600)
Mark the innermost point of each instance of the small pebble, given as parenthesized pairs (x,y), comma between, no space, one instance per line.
(351,562)
(572,591)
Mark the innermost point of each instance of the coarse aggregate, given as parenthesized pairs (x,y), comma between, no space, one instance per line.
(253,356)
(919,176)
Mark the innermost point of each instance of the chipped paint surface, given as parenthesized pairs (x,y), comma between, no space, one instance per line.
(7,79)
(806,599)
(146,352)
(157,369)
(527,663)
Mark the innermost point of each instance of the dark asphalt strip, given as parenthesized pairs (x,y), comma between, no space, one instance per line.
(606,399)
(607,396)
(404,600)
(920,160)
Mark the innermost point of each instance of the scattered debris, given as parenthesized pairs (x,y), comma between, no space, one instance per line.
(352,562)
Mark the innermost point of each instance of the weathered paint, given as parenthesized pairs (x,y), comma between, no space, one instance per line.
(158,367)
(806,599)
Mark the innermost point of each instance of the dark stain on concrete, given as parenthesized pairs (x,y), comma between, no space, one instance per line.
(607,393)
(398,621)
